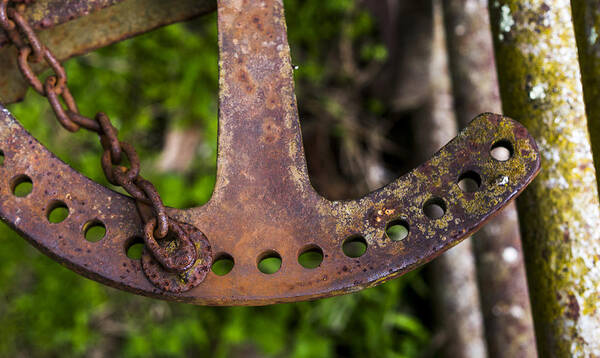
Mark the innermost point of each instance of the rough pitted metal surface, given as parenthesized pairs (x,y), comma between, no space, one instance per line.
(263,201)
(184,281)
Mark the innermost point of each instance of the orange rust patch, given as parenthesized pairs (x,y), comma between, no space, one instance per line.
(245,81)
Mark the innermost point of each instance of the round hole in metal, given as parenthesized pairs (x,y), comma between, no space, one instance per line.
(434,208)
(223,264)
(397,230)
(502,150)
(94,231)
(355,246)
(269,262)
(21,185)
(469,181)
(311,257)
(135,248)
(58,212)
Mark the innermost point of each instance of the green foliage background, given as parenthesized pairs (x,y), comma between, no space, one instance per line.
(149,84)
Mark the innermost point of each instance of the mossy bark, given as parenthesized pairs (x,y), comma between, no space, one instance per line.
(457,306)
(501,276)
(540,85)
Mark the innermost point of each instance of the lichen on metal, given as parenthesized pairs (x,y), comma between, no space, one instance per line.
(263,204)
(540,84)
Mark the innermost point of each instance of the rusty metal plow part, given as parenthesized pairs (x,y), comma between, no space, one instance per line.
(263,203)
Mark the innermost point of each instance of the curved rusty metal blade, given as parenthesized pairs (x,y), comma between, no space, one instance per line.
(263,202)
(264,218)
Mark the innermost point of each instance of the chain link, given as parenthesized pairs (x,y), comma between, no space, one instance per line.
(55,89)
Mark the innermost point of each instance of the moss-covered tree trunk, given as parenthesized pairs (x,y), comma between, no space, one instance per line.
(540,86)
(499,257)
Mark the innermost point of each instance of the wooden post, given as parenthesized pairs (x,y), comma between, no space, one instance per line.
(456,297)
(499,258)
(540,86)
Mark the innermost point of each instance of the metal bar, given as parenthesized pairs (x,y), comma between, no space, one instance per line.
(44,14)
(454,278)
(499,255)
(540,84)
(98,29)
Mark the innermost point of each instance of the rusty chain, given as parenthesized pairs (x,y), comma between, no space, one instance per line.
(55,89)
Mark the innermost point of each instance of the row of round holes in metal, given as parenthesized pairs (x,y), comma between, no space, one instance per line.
(355,246)
(270,262)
